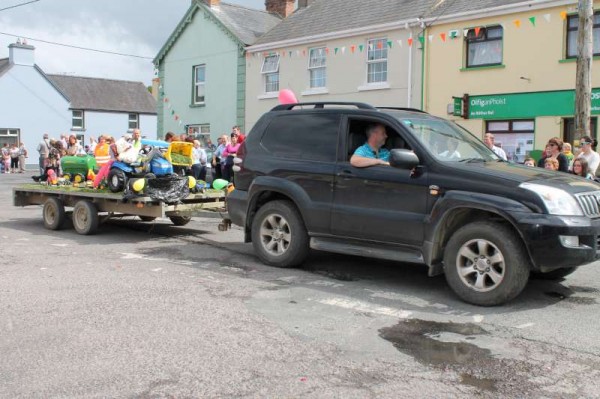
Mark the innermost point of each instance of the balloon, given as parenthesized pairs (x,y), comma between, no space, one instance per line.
(191,182)
(138,185)
(220,184)
(286,96)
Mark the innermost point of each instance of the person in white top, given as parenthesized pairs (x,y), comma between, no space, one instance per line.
(591,156)
(489,142)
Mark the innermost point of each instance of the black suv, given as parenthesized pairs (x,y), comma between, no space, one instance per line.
(446,200)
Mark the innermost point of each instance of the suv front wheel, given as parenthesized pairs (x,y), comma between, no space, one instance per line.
(279,236)
(485,264)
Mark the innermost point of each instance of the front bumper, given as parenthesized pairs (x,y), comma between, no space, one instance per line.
(541,234)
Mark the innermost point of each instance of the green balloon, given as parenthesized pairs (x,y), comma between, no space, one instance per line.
(220,184)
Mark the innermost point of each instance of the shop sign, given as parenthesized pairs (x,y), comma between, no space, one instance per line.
(528,105)
(457,106)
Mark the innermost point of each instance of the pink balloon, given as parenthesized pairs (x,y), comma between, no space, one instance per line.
(286,96)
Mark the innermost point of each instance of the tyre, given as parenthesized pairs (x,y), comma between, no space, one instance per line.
(486,264)
(54,214)
(279,236)
(67,177)
(557,274)
(116,180)
(180,220)
(85,218)
(147,218)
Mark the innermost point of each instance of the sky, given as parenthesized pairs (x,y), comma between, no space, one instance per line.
(137,27)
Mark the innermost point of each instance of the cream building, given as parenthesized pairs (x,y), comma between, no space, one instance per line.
(516,63)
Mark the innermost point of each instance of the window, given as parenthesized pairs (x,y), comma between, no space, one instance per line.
(78,120)
(199,84)
(134,121)
(572,32)
(377,60)
(286,137)
(9,136)
(195,130)
(270,71)
(484,47)
(317,67)
(514,137)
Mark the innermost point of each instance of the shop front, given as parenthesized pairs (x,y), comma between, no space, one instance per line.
(523,122)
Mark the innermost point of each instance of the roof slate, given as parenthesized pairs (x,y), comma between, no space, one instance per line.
(246,23)
(327,16)
(105,94)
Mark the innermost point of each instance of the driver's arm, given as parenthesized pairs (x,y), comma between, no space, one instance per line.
(362,162)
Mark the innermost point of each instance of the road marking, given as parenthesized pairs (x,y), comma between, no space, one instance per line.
(59,245)
(157,269)
(478,318)
(526,325)
(360,306)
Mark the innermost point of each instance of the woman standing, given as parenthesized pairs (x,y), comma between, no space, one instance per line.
(229,153)
(73,146)
(14,158)
(553,150)
(587,152)
(22,157)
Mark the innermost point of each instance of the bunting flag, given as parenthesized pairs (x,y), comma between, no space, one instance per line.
(327,50)
(343,49)
(477,30)
(352,49)
(443,36)
(517,23)
(532,20)
(361,47)
(422,39)
(379,45)
(370,46)
(166,99)
(399,41)
(563,15)
(290,54)
(335,50)
(390,43)
(430,38)
(453,34)
(547,17)
(172,112)
(465,32)
(409,41)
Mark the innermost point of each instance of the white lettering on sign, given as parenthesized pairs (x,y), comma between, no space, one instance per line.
(490,101)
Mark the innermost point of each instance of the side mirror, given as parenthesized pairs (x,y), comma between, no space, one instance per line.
(403,158)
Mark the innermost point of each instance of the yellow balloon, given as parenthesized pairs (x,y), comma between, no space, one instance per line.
(191,182)
(139,185)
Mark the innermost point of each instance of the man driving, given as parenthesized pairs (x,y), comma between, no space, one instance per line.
(371,153)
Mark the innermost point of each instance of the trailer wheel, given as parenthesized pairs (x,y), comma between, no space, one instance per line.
(85,218)
(147,218)
(180,220)
(116,180)
(54,214)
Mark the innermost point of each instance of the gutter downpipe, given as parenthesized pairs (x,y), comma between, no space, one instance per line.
(410,48)
(423,58)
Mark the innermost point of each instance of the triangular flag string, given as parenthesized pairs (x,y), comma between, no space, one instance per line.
(532,20)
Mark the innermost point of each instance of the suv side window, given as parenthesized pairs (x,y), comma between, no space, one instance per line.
(357,136)
(312,137)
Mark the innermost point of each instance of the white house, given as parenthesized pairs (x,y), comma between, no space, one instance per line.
(33,103)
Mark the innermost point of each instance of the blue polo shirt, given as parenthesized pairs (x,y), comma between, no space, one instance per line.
(366,151)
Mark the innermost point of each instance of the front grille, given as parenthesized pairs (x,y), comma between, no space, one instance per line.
(590,203)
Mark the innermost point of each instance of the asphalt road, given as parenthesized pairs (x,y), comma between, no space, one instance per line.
(149,310)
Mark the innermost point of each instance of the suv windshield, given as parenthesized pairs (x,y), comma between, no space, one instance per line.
(445,140)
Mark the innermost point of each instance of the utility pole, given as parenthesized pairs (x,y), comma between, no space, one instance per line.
(583,81)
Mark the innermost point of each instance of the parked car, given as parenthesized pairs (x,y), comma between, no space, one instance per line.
(485,223)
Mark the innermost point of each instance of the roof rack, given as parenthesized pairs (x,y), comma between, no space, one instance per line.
(404,109)
(318,105)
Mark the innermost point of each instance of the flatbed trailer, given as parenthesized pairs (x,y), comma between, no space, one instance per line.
(88,207)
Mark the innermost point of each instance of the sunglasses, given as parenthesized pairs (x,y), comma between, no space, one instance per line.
(583,143)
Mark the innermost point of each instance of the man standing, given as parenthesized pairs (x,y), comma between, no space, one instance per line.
(216,161)
(44,149)
(371,153)
(240,136)
(22,157)
(489,142)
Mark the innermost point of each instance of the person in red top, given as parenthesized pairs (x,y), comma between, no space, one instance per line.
(228,154)
(240,136)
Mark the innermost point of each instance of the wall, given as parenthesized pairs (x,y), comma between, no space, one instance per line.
(533,52)
(114,124)
(30,103)
(202,42)
(346,74)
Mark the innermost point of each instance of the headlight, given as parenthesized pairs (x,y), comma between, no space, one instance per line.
(557,201)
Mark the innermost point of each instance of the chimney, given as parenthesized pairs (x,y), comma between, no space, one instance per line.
(284,8)
(212,3)
(304,3)
(21,54)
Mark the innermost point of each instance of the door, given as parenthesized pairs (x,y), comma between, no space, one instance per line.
(378,203)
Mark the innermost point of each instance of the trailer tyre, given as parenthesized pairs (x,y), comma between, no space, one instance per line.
(180,220)
(85,218)
(116,180)
(54,214)
(486,264)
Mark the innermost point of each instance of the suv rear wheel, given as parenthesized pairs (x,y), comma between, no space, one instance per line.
(279,236)
(485,264)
